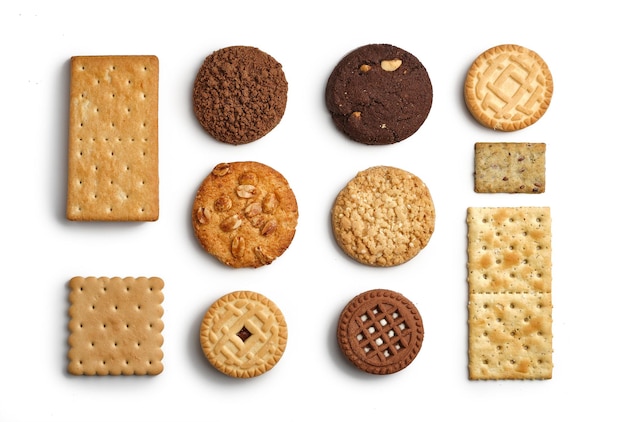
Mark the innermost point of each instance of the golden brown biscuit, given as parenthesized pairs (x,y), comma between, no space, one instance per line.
(508,87)
(113,172)
(245,214)
(510,293)
(115,326)
(384,216)
(509,167)
(243,334)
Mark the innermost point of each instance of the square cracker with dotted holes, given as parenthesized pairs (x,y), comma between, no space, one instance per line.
(115,326)
(510,293)
(113,139)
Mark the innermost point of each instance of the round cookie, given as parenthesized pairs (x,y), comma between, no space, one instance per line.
(383,217)
(380,331)
(245,214)
(243,334)
(508,87)
(239,94)
(379,94)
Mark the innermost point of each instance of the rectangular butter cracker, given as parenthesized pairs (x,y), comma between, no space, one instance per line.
(508,167)
(510,293)
(113,139)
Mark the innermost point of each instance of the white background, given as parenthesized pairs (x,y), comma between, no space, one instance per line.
(582,42)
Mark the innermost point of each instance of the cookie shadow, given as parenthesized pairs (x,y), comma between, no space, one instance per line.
(58,178)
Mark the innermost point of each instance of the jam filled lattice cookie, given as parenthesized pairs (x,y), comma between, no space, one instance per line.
(245,214)
(239,94)
(243,334)
(380,331)
(379,94)
(383,217)
(508,87)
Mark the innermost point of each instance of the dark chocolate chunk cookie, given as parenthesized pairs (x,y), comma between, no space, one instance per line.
(380,331)
(379,94)
(240,94)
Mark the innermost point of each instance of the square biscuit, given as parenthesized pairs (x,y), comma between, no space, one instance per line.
(509,249)
(510,336)
(115,326)
(113,139)
(510,293)
(508,167)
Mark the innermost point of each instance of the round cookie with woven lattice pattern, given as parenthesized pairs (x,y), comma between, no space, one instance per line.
(508,87)
(243,334)
(380,331)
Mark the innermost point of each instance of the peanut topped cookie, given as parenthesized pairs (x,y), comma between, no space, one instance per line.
(508,87)
(379,94)
(245,214)
(383,217)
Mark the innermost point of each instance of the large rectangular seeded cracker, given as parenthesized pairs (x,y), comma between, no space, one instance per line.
(510,293)
(113,139)
(115,326)
(508,167)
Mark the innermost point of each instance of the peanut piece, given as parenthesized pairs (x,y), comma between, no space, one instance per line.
(390,65)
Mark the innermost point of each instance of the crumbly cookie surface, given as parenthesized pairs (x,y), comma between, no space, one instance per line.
(239,94)
(383,217)
(245,214)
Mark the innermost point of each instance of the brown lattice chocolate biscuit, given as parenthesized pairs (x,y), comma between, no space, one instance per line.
(380,331)
(239,94)
(383,217)
(508,87)
(245,214)
(243,334)
(379,94)
(115,326)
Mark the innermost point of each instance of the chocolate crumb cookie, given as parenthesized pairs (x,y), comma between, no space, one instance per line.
(380,331)
(245,214)
(379,94)
(239,94)
(384,216)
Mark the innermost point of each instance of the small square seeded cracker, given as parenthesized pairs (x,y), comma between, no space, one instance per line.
(510,293)
(115,326)
(505,167)
(113,139)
